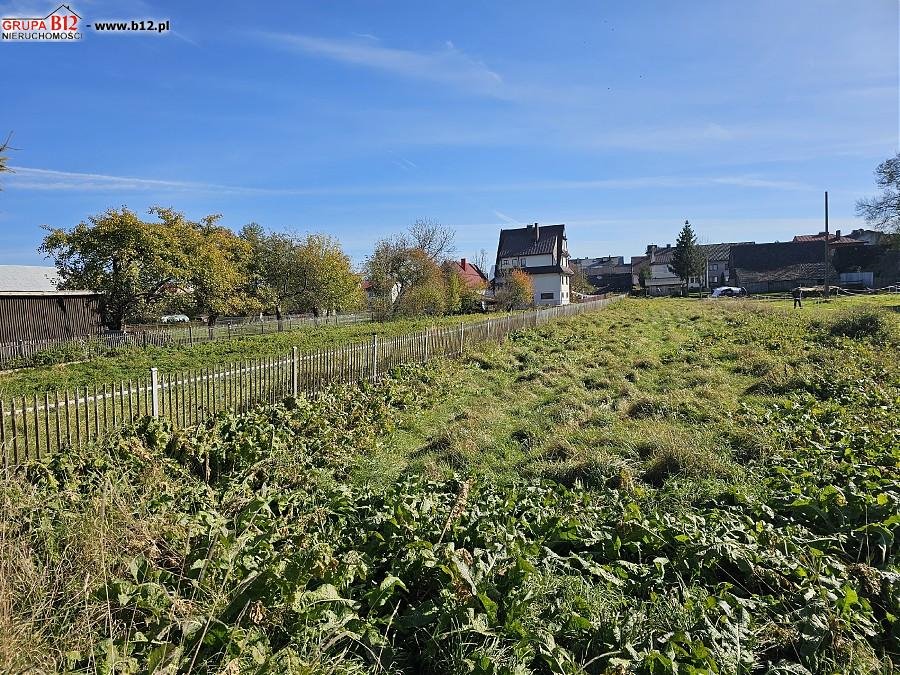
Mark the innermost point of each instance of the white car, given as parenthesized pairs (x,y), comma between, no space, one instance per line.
(728,292)
(175,318)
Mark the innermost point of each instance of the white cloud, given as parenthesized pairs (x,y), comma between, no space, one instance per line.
(26,178)
(446,66)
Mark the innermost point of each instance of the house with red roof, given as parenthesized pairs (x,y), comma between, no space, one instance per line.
(472,275)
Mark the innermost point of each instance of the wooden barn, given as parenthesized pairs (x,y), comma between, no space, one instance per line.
(32,310)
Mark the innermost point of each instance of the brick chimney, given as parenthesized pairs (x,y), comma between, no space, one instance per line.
(837,234)
(462,263)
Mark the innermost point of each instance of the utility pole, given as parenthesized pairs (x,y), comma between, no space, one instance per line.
(827,291)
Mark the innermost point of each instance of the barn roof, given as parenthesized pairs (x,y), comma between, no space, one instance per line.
(28,278)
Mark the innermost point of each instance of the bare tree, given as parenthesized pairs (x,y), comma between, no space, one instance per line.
(883,211)
(480,260)
(437,241)
(3,159)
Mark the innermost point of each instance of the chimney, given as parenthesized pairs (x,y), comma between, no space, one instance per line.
(537,232)
(837,234)
(651,249)
(462,263)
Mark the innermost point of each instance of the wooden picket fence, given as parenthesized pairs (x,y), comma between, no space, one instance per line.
(15,354)
(37,426)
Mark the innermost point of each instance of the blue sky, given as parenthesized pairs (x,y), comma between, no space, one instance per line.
(620,119)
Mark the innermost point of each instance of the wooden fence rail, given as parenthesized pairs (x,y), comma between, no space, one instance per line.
(13,354)
(37,425)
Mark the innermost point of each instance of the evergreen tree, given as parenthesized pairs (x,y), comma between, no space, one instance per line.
(687,259)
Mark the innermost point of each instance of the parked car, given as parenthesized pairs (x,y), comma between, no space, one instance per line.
(175,318)
(729,292)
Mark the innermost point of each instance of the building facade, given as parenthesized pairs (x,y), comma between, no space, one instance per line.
(542,252)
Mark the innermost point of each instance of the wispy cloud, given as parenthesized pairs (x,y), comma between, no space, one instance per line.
(26,178)
(448,65)
(505,218)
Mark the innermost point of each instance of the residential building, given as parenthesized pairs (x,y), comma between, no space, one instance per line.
(834,239)
(663,281)
(869,236)
(472,275)
(611,278)
(763,268)
(542,252)
(590,263)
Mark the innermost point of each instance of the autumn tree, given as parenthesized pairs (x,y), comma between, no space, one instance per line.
(214,280)
(306,274)
(324,280)
(883,211)
(516,292)
(687,259)
(270,267)
(134,265)
(405,270)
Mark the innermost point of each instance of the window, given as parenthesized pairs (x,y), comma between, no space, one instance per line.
(547,296)
(524,262)
(504,262)
(714,267)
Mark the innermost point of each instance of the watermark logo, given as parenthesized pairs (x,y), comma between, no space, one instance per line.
(65,24)
(62,24)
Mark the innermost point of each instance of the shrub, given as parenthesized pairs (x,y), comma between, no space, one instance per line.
(861,323)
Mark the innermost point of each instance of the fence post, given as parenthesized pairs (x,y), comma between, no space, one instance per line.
(375,356)
(462,338)
(191,334)
(295,365)
(154,392)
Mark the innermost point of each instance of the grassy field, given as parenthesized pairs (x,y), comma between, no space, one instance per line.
(665,486)
(134,363)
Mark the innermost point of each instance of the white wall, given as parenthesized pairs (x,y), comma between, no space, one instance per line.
(558,284)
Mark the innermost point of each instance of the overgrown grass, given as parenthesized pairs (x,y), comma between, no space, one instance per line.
(136,362)
(660,487)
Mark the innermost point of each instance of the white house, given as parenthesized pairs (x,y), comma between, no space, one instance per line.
(663,281)
(542,251)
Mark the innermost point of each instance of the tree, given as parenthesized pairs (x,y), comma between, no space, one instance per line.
(480,260)
(324,280)
(214,279)
(517,291)
(4,160)
(405,271)
(687,260)
(883,211)
(580,283)
(270,267)
(311,274)
(437,241)
(644,277)
(142,268)
(133,264)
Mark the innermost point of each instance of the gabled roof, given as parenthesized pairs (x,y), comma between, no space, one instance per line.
(521,241)
(781,261)
(833,240)
(711,252)
(40,278)
(471,274)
